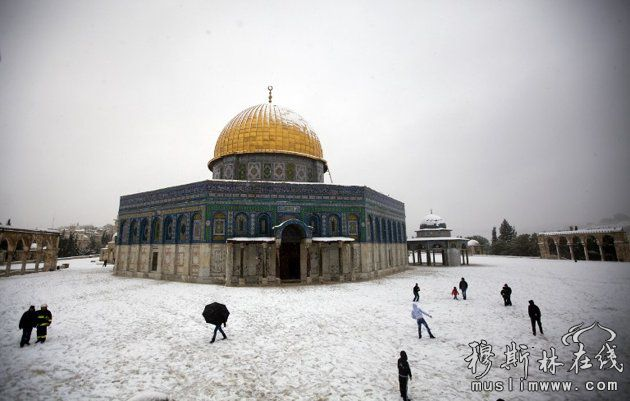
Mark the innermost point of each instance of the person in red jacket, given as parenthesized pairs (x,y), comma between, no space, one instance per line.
(455,293)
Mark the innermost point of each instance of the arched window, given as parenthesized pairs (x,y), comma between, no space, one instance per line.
(390,232)
(377,229)
(169,230)
(133,232)
(333,222)
(124,232)
(353,225)
(144,231)
(401,238)
(156,231)
(182,228)
(383,230)
(197,226)
(263,226)
(240,224)
(218,230)
(370,230)
(313,221)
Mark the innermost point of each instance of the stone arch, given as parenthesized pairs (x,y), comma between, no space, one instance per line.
(578,250)
(551,244)
(563,248)
(290,251)
(592,248)
(5,246)
(608,248)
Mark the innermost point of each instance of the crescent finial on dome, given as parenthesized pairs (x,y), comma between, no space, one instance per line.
(270,88)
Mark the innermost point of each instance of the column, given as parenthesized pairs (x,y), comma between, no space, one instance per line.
(24,257)
(9,259)
(229,263)
(340,246)
(600,241)
(585,247)
(413,257)
(571,245)
(557,243)
(467,260)
(429,257)
(38,255)
(420,257)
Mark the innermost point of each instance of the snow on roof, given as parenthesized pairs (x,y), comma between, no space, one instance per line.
(14,228)
(473,242)
(252,239)
(427,239)
(332,239)
(600,230)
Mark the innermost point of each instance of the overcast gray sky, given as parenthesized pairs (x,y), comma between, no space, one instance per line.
(481,110)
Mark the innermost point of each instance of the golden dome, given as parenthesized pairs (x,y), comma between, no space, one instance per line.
(267,128)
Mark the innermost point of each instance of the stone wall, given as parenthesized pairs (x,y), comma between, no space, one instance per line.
(256,263)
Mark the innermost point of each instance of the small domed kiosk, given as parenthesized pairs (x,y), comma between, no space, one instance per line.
(434,238)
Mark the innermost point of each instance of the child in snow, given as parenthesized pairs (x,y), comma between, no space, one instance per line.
(454,293)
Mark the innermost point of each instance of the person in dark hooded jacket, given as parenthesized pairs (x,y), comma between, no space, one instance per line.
(27,322)
(534,315)
(416,293)
(463,285)
(404,375)
(506,293)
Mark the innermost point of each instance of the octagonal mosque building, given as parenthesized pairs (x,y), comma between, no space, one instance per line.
(265,218)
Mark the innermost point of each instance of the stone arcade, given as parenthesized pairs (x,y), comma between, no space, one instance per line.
(265,218)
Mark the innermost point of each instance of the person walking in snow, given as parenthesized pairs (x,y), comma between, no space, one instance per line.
(217,327)
(27,322)
(404,375)
(506,293)
(416,293)
(418,314)
(44,319)
(534,315)
(463,286)
(454,293)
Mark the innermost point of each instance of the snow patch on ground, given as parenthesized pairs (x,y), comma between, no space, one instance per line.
(114,337)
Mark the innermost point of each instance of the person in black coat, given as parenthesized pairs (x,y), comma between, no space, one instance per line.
(463,285)
(534,315)
(217,327)
(404,375)
(506,293)
(44,319)
(27,322)
(416,293)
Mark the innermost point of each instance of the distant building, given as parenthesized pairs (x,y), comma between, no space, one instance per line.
(20,245)
(606,244)
(434,238)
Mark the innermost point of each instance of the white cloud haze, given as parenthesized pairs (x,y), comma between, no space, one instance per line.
(481,110)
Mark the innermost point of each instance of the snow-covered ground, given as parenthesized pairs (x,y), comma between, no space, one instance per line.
(113,338)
